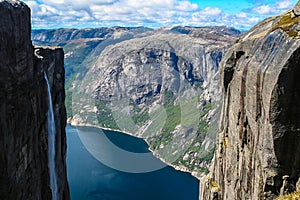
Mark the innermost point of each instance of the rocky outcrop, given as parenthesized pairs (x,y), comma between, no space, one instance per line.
(24,172)
(257,154)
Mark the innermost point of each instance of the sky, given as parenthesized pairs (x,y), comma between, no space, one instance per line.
(241,14)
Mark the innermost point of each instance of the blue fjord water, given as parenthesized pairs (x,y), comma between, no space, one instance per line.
(89,179)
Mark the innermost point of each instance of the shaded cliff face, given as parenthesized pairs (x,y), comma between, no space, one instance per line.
(257,154)
(24,172)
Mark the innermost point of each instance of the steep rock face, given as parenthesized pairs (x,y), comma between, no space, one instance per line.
(257,154)
(24,170)
(81,44)
(162,87)
(51,60)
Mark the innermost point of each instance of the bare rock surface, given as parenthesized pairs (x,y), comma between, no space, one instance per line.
(160,85)
(257,153)
(24,172)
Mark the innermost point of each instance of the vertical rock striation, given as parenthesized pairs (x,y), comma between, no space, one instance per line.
(257,154)
(24,172)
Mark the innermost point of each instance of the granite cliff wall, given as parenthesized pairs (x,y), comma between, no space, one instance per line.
(257,154)
(24,172)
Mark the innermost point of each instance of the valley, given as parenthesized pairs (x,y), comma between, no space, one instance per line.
(170,112)
(165,82)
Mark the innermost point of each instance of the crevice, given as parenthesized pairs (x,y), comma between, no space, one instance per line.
(243,121)
(230,66)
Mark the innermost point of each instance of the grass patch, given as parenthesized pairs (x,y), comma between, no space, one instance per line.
(286,23)
(173,113)
(169,97)
(68,103)
(104,115)
(292,196)
(173,118)
(69,95)
(203,129)
(140,118)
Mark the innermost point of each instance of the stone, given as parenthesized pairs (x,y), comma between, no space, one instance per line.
(260,116)
(296,9)
(298,185)
(287,186)
(24,172)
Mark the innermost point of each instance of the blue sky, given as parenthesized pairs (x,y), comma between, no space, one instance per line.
(241,14)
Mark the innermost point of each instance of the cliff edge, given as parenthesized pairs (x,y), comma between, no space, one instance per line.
(24,172)
(257,154)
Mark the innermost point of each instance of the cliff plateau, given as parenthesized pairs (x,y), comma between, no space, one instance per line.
(24,172)
(257,153)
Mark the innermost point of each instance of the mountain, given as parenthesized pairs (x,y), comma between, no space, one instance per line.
(161,85)
(257,153)
(79,43)
(24,105)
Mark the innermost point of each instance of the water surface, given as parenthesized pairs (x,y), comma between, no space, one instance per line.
(89,179)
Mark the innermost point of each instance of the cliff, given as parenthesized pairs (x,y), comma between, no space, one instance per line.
(161,85)
(257,153)
(24,172)
(165,81)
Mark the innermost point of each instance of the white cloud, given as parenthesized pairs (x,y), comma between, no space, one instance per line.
(186,6)
(262,10)
(241,15)
(152,13)
(275,8)
(211,11)
(254,20)
(284,4)
(114,11)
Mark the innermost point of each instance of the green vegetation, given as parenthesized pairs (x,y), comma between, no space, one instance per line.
(169,97)
(104,115)
(173,118)
(203,130)
(286,23)
(69,94)
(77,51)
(170,114)
(68,103)
(140,118)
(292,196)
(173,113)
(188,117)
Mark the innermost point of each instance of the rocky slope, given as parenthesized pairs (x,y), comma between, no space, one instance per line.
(164,82)
(79,43)
(257,154)
(24,172)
